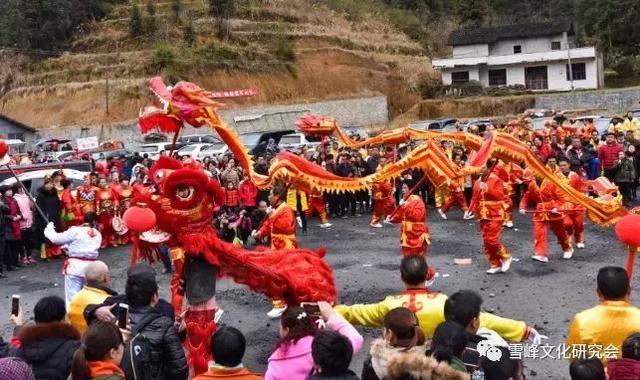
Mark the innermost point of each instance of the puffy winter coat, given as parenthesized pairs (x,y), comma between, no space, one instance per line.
(49,349)
(166,351)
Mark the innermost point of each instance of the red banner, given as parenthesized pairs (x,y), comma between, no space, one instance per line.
(235,93)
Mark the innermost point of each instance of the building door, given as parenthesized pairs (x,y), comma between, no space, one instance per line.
(535,78)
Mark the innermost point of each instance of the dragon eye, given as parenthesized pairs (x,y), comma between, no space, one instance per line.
(159,175)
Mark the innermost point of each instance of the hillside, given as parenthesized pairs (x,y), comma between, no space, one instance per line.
(293,51)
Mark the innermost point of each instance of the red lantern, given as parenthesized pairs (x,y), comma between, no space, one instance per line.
(139,218)
(4,148)
(628,230)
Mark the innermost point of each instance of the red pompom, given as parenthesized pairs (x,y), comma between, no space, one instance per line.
(4,148)
(628,230)
(139,218)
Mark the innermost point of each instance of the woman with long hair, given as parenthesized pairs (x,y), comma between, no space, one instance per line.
(292,358)
(99,356)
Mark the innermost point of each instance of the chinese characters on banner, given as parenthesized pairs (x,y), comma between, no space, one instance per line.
(235,93)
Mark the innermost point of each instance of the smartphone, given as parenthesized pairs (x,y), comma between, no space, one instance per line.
(123,316)
(15,304)
(312,309)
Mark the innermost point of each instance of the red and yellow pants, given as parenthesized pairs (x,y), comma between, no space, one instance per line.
(574,225)
(540,236)
(381,207)
(442,193)
(317,207)
(456,197)
(494,251)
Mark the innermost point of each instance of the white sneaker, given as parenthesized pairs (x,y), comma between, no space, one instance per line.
(276,312)
(506,264)
(494,270)
(567,255)
(509,224)
(542,259)
(299,220)
(325,225)
(433,279)
(580,245)
(377,225)
(386,221)
(468,215)
(442,214)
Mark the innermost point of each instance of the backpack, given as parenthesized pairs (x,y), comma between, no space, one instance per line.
(136,361)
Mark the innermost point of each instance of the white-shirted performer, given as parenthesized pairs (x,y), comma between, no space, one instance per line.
(82,243)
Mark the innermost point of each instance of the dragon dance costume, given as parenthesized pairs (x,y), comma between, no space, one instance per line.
(382,201)
(573,212)
(107,204)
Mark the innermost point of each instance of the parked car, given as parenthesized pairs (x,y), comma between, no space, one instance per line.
(433,125)
(195,151)
(216,149)
(256,142)
(294,141)
(125,154)
(33,180)
(197,139)
(83,166)
(601,122)
(356,132)
(154,149)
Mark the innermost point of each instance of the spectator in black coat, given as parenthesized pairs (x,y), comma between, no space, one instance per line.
(48,346)
(49,203)
(579,156)
(166,351)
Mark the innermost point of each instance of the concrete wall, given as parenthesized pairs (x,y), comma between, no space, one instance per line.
(478,50)
(357,112)
(557,75)
(529,45)
(615,101)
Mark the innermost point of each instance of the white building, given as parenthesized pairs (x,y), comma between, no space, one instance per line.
(536,56)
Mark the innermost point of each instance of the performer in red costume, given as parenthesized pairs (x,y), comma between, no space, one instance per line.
(382,201)
(124,194)
(488,204)
(107,204)
(71,209)
(86,196)
(280,228)
(317,206)
(573,212)
(548,199)
(414,232)
(456,193)
(510,174)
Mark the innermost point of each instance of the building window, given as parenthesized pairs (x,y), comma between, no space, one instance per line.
(517,49)
(578,71)
(84,132)
(460,77)
(15,136)
(498,77)
(555,45)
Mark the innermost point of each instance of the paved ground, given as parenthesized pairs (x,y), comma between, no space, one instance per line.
(366,265)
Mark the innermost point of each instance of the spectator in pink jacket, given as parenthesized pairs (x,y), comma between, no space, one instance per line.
(26,245)
(248,194)
(292,358)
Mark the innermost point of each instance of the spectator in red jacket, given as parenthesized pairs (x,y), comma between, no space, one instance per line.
(248,194)
(627,367)
(231,201)
(608,154)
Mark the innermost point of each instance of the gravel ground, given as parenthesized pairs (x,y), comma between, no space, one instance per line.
(366,262)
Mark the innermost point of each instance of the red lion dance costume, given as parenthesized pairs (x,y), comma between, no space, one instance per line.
(183,207)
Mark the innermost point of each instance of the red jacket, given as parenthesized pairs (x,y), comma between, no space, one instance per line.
(623,369)
(230,198)
(248,193)
(608,154)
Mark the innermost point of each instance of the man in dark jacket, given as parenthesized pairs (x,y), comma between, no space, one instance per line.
(49,345)
(578,156)
(141,294)
(463,307)
(166,352)
(49,203)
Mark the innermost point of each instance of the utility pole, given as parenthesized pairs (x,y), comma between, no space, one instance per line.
(107,94)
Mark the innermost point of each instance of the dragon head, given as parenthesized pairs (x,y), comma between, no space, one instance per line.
(316,125)
(187,197)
